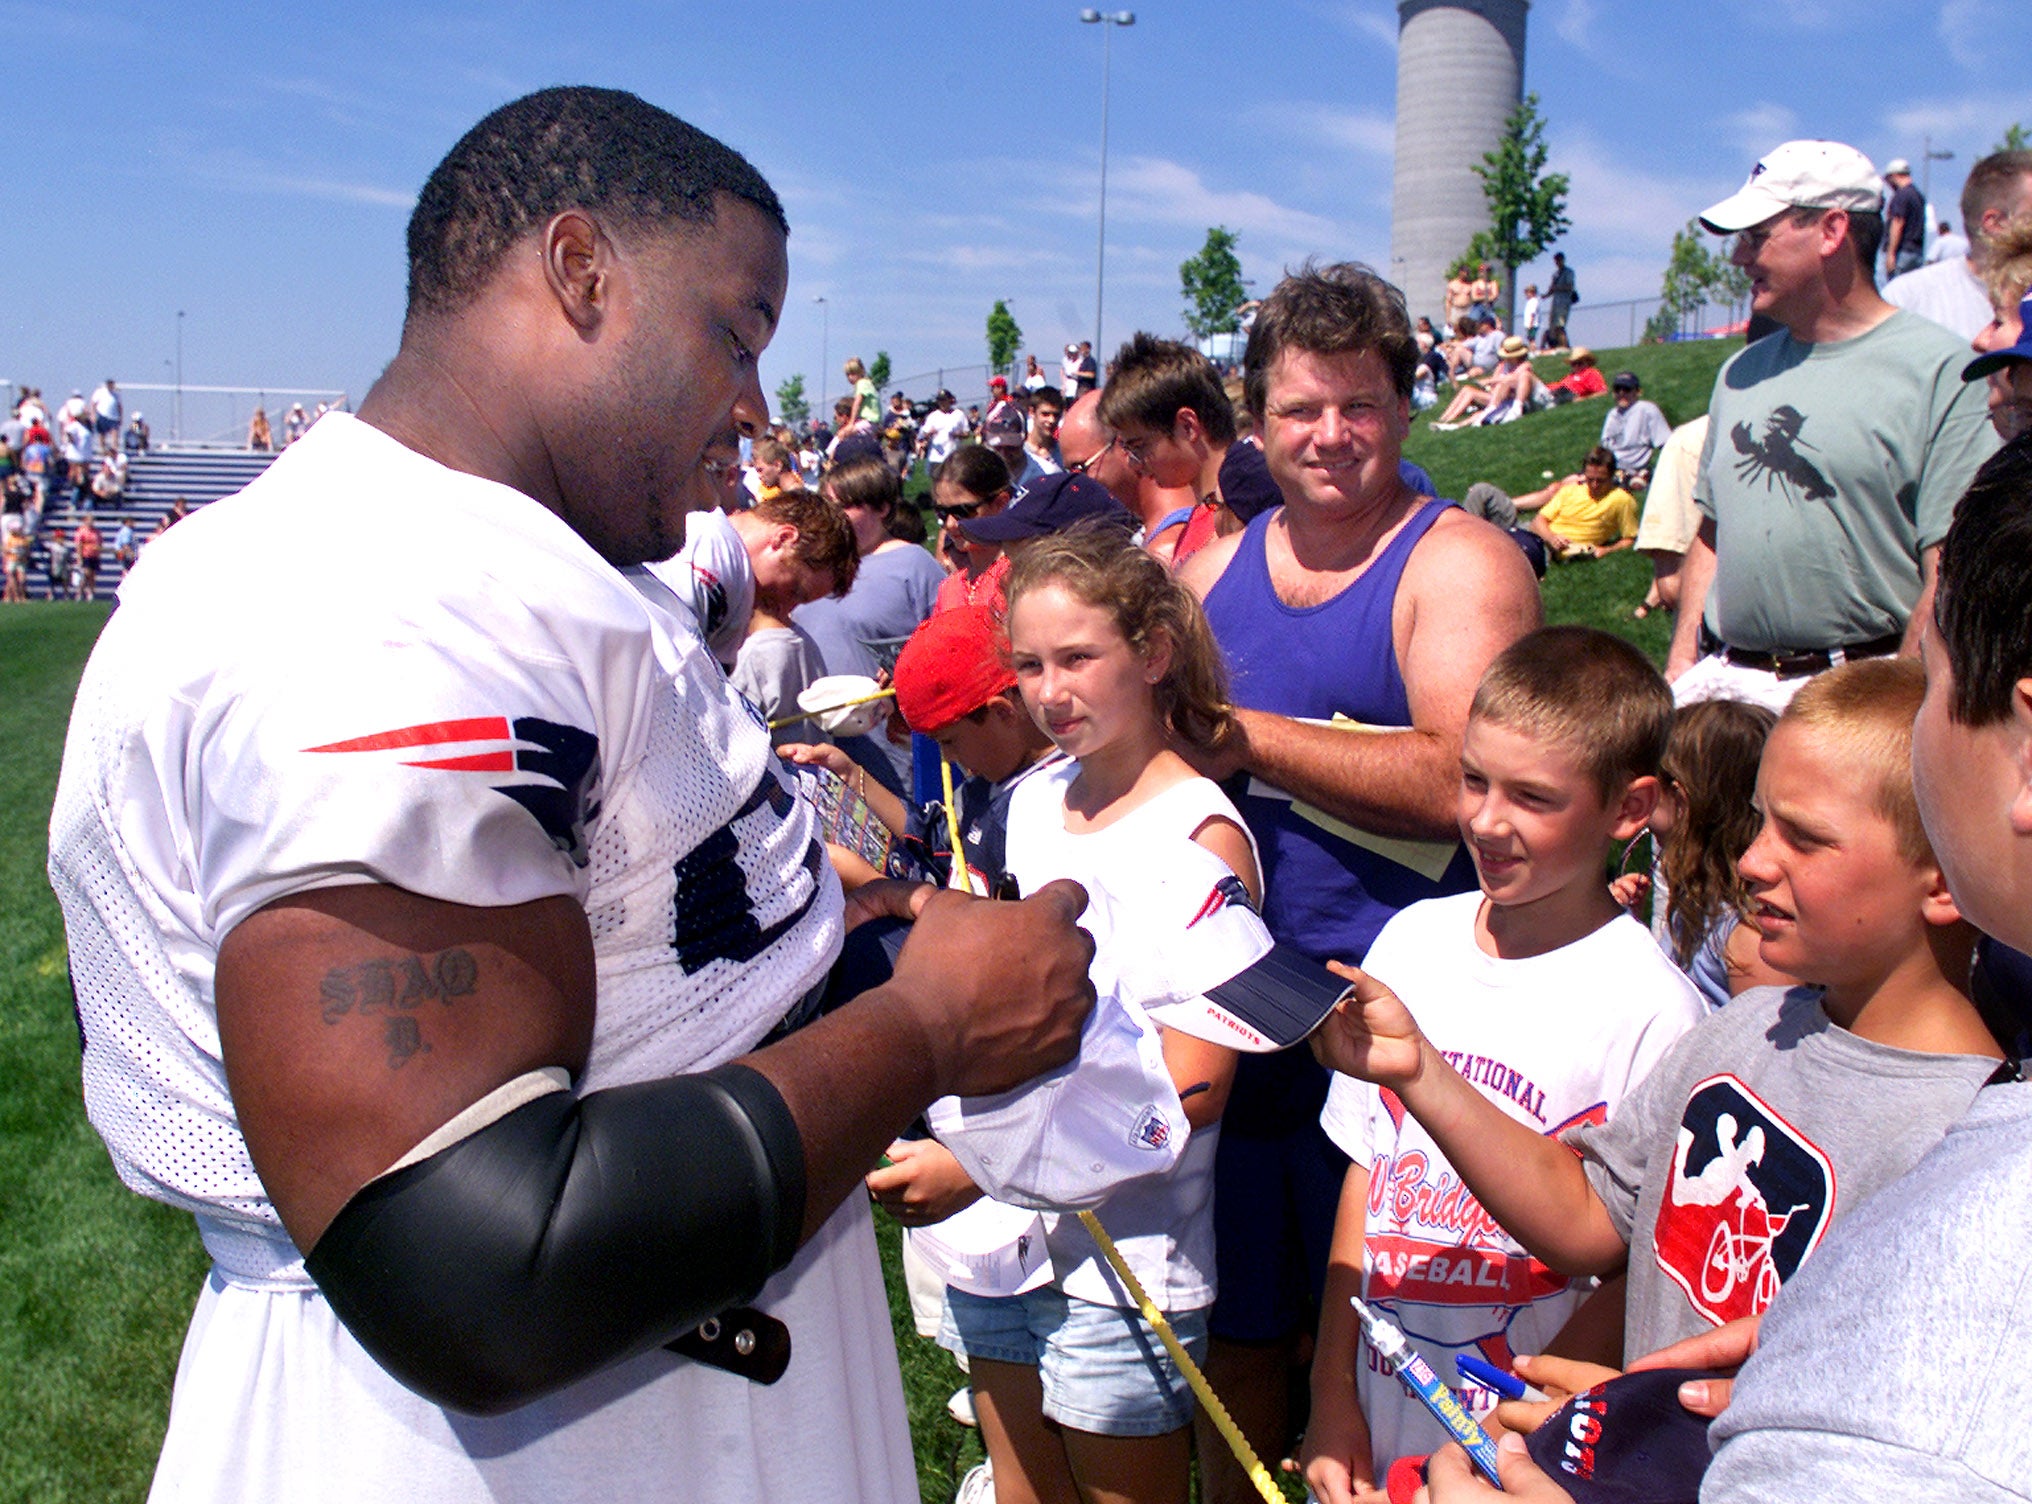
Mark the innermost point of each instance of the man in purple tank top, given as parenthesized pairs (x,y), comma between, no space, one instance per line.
(1356,619)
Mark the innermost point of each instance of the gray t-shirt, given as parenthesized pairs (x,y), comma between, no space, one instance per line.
(1895,1366)
(1631,433)
(1827,469)
(771,670)
(861,632)
(1724,1169)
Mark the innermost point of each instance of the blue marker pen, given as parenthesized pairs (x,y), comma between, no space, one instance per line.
(1501,1380)
(1402,1359)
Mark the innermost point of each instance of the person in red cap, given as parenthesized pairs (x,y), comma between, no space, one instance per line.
(954,685)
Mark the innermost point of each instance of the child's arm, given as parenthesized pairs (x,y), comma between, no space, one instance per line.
(1194,1062)
(885,806)
(1336,1458)
(922,1183)
(1532,1184)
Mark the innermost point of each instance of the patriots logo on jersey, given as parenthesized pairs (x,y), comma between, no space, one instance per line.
(561,764)
(1226,890)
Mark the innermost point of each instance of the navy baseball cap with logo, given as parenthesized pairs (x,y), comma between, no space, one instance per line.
(1993,360)
(1051,504)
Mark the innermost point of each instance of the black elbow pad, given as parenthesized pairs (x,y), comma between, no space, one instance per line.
(567,1235)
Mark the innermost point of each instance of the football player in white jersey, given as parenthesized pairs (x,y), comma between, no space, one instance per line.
(442,928)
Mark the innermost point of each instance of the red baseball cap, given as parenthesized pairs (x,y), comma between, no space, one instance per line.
(999,381)
(952,666)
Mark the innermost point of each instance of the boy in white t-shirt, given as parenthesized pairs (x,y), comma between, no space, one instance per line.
(1542,993)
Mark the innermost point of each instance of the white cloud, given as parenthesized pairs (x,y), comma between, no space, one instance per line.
(247,174)
(1611,199)
(1366,133)
(993,257)
(1159,191)
(1372,23)
(1760,127)
(1972,30)
(1975,120)
(1575,24)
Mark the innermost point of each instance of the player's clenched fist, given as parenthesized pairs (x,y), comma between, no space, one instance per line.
(1001,988)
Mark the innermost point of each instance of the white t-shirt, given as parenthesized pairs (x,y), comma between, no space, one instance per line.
(942,432)
(488,715)
(106,403)
(1947,292)
(78,443)
(1163,1224)
(711,580)
(1552,1040)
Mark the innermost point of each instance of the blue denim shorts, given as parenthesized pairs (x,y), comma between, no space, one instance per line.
(1103,1369)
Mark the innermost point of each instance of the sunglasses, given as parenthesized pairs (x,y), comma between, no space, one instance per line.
(958,513)
(1080,467)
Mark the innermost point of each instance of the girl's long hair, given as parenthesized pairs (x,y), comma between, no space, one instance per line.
(1711,760)
(1099,565)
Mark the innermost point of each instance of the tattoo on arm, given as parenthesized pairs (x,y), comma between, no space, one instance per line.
(393,989)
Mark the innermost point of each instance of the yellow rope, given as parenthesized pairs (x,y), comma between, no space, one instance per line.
(952,826)
(1211,1402)
(811,715)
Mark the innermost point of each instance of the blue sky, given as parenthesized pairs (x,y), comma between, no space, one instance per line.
(254,167)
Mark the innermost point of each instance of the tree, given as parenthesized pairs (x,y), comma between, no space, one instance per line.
(2016,138)
(879,371)
(1527,204)
(1005,337)
(792,406)
(1212,285)
(1693,275)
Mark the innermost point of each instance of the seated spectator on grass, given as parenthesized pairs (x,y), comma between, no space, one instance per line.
(1583,378)
(1512,387)
(1579,516)
(1633,428)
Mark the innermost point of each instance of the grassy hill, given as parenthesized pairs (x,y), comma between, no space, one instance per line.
(97,1285)
(1524,455)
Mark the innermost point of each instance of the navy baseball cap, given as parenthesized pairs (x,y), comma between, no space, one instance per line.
(1982,365)
(1051,504)
(856,446)
(1246,487)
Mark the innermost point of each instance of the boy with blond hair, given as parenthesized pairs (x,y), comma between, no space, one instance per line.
(1541,993)
(1788,1108)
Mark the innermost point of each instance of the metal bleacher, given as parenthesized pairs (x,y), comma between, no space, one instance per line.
(154,481)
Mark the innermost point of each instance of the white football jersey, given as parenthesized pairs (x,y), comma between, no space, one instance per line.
(369,668)
(710,582)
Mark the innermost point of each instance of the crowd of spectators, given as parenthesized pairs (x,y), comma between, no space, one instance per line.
(1550,1144)
(1188,462)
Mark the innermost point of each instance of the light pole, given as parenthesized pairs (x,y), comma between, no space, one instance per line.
(1926,160)
(1107,21)
(825,357)
(176,418)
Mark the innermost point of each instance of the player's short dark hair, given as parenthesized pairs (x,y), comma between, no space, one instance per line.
(564,148)
(1982,604)
(1601,455)
(1341,309)
(1150,379)
(1592,693)
(1049,394)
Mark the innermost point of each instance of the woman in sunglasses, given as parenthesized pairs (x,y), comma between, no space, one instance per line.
(973,482)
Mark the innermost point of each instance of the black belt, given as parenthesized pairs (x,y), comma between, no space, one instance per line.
(1798,663)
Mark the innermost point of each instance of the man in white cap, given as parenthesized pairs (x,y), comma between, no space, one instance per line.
(1904,220)
(1836,450)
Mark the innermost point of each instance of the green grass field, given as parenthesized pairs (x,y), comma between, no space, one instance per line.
(96,1284)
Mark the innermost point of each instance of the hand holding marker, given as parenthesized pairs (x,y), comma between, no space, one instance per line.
(1402,1359)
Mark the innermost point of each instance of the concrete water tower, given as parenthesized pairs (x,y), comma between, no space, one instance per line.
(1460,72)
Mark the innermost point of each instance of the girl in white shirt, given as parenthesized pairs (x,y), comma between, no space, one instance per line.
(1075,1394)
